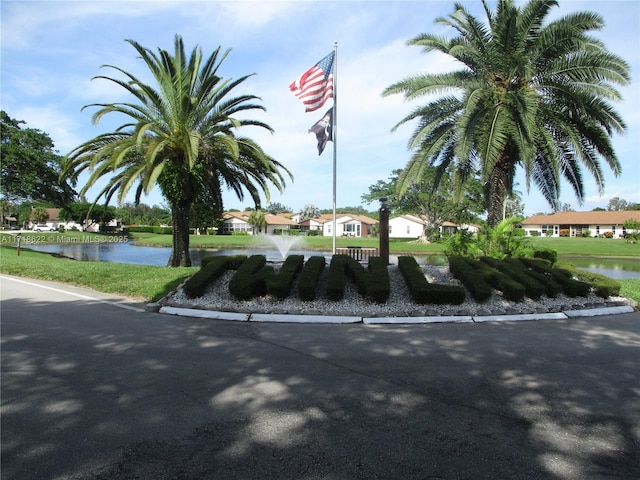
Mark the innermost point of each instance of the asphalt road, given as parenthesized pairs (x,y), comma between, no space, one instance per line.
(91,390)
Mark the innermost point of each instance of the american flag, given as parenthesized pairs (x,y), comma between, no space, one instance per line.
(315,86)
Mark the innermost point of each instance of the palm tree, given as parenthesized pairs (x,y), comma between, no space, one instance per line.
(181,136)
(257,220)
(530,95)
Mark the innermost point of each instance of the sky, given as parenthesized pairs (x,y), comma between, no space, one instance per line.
(51,50)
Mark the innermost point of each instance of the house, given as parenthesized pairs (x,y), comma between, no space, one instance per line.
(348,225)
(573,224)
(237,222)
(412,226)
(406,226)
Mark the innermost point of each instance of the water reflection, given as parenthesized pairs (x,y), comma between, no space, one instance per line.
(140,255)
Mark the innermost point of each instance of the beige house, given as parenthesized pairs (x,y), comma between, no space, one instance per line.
(573,224)
(238,222)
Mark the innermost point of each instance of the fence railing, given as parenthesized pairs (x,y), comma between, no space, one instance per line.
(361,254)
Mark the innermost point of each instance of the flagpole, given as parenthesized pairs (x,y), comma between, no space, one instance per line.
(334,123)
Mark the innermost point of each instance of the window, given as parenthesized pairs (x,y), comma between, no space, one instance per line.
(390,228)
(408,229)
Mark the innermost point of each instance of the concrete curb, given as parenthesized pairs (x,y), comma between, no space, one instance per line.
(319,319)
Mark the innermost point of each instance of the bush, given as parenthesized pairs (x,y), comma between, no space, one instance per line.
(249,279)
(424,292)
(279,285)
(341,268)
(546,254)
(140,228)
(309,277)
(608,234)
(564,232)
(586,233)
(379,284)
(162,230)
(461,269)
(564,278)
(212,268)
(603,286)
(533,288)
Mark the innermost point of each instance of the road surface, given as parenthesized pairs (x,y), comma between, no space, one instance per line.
(92,390)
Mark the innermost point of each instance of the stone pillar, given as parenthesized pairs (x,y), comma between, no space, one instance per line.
(384,230)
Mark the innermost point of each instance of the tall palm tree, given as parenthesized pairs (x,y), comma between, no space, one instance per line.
(530,95)
(180,135)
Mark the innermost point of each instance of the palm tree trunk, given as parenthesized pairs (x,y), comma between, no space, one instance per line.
(498,190)
(180,252)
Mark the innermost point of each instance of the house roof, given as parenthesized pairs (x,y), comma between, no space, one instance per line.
(270,218)
(617,217)
(53,214)
(343,217)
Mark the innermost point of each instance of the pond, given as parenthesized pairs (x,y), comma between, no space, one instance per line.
(132,254)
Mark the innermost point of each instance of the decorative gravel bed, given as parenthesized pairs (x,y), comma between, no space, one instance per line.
(399,304)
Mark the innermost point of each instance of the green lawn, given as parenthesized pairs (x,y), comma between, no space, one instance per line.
(596,247)
(144,282)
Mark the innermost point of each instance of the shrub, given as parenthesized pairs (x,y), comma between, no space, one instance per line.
(564,232)
(547,254)
(564,278)
(341,268)
(379,284)
(551,288)
(424,292)
(309,277)
(474,282)
(212,268)
(279,285)
(140,229)
(162,230)
(608,234)
(249,279)
(586,233)
(533,288)
(603,286)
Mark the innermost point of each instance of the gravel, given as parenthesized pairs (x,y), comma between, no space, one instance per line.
(399,304)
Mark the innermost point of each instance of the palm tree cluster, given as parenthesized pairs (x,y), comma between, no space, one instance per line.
(181,135)
(530,94)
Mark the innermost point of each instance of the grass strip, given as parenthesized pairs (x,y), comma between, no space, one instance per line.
(141,282)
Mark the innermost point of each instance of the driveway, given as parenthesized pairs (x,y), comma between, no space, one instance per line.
(92,390)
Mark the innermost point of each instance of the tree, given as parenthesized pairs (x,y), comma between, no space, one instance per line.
(277,208)
(87,213)
(29,166)
(181,135)
(617,203)
(39,215)
(530,95)
(204,213)
(309,211)
(564,207)
(431,198)
(256,220)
